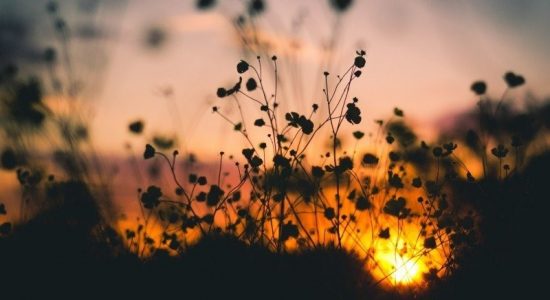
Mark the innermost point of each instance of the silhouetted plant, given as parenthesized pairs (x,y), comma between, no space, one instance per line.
(403,207)
(5,227)
(205,4)
(341,5)
(294,202)
(41,139)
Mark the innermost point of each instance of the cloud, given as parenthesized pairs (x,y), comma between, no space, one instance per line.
(257,39)
(199,23)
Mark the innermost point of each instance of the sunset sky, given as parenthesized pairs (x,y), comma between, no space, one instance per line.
(315,149)
(421,56)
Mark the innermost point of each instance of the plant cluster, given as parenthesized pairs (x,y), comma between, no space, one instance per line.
(288,196)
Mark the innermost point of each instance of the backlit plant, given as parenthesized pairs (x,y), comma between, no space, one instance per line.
(286,196)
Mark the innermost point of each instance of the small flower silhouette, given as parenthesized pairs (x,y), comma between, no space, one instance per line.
(500,151)
(513,80)
(149,151)
(479,87)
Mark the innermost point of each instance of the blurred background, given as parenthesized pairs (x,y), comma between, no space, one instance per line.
(152,59)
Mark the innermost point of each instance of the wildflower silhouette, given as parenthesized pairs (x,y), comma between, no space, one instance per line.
(479,87)
(136,127)
(281,199)
(513,80)
(303,210)
(205,4)
(341,5)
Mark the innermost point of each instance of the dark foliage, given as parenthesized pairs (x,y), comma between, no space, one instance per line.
(341,5)
(205,4)
(136,127)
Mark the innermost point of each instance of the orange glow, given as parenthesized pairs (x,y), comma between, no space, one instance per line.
(401,260)
(404,270)
(406,264)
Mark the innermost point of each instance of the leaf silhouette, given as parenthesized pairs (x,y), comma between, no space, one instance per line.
(299,121)
(205,4)
(235,88)
(500,151)
(174,244)
(402,133)
(341,5)
(149,151)
(242,67)
(472,139)
(344,163)
(358,135)
(394,156)
(317,172)
(5,228)
(151,198)
(384,233)
(513,80)
(8,159)
(201,197)
(353,114)
(289,230)
(221,92)
(281,161)
(136,127)
(247,153)
(251,84)
(479,87)
(437,151)
(305,124)
(395,181)
(359,62)
(208,219)
(214,195)
(235,197)
(430,243)
(417,182)
(163,142)
(256,161)
(362,203)
(49,55)
(396,207)
(329,213)
(351,195)
(370,159)
(130,234)
(398,112)
(256,7)
(390,139)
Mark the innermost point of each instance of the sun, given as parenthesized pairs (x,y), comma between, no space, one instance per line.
(405,270)
(398,269)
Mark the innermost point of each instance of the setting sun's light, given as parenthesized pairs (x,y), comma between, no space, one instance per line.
(399,270)
(405,270)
